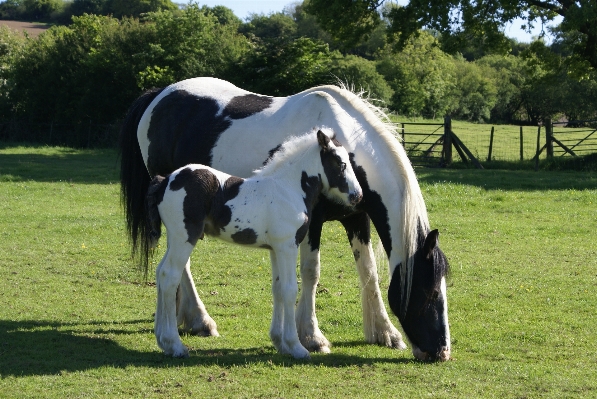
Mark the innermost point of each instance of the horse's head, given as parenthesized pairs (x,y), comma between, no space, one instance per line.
(339,181)
(425,319)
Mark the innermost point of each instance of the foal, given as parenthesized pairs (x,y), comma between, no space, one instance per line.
(270,210)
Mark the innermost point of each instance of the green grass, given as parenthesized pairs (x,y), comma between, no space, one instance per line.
(76,316)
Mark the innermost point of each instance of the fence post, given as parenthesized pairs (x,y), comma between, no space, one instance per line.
(447,149)
(549,137)
(490,144)
(538,148)
(403,133)
(521,145)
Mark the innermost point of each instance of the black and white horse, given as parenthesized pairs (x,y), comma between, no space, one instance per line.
(213,122)
(271,210)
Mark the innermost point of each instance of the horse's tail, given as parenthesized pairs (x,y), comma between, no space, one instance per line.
(149,241)
(134,179)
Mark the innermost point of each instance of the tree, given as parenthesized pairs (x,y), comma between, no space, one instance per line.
(134,8)
(422,77)
(360,74)
(459,21)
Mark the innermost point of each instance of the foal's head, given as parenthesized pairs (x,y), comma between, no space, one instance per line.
(339,181)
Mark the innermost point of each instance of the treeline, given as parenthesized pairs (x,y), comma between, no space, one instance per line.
(91,69)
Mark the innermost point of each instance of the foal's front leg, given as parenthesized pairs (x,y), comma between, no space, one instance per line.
(168,276)
(284,289)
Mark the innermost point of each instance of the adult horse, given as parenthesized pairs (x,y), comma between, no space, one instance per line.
(213,122)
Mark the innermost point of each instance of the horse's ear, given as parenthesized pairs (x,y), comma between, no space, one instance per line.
(323,139)
(430,242)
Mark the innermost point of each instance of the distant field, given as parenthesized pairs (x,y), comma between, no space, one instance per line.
(32,28)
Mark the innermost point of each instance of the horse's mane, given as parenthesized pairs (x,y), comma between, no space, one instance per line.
(413,215)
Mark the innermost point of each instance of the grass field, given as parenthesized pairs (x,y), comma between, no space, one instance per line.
(76,316)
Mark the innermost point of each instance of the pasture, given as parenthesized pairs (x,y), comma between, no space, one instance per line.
(76,317)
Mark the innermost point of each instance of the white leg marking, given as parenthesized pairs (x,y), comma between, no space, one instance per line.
(377,326)
(168,276)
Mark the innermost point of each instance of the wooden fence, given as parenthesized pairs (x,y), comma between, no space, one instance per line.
(431,144)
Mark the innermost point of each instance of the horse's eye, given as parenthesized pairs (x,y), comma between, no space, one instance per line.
(342,167)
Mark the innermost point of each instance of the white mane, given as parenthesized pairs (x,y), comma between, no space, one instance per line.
(413,215)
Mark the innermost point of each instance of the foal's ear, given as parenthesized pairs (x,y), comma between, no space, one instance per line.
(430,242)
(323,139)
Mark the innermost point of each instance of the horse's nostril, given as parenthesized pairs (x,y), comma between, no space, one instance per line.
(355,198)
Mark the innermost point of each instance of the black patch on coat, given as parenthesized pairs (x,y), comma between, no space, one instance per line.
(332,168)
(272,153)
(241,107)
(184,128)
(311,186)
(245,237)
(375,208)
(359,226)
(201,187)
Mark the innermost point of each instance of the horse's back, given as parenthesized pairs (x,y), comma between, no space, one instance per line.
(212,122)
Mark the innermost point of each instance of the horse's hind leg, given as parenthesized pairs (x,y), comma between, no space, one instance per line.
(191,313)
(168,276)
(377,326)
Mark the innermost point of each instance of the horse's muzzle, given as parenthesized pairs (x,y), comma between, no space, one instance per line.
(442,356)
(355,198)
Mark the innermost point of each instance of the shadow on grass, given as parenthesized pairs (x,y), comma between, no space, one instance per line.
(32,348)
(53,164)
(519,180)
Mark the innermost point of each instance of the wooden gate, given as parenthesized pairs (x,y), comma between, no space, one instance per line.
(430,144)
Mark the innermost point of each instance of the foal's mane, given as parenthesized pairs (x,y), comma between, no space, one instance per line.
(292,149)
(413,212)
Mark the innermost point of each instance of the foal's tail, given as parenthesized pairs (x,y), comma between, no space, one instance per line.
(134,178)
(149,241)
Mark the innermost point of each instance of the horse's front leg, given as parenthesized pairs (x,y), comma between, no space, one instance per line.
(191,313)
(284,290)
(377,326)
(168,276)
(306,320)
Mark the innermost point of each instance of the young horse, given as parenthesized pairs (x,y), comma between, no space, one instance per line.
(215,123)
(270,210)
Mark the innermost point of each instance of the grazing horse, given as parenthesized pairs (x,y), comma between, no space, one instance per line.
(213,122)
(268,210)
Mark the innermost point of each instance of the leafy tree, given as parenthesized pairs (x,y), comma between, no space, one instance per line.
(361,74)
(134,8)
(286,67)
(475,90)
(422,77)
(459,21)
(41,9)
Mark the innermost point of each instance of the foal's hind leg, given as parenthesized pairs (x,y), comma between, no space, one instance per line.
(168,276)
(191,313)
(377,326)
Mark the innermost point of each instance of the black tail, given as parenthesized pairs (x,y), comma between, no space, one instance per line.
(155,193)
(134,178)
